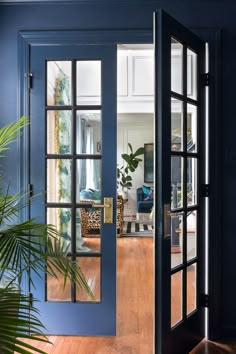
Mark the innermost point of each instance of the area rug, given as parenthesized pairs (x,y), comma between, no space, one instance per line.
(137,228)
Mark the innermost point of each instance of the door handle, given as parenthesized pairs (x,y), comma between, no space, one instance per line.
(108,210)
(167,215)
(101,206)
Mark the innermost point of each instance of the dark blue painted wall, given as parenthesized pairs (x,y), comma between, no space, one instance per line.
(131,14)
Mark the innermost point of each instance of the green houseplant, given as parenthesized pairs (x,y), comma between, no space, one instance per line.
(131,162)
(18,240)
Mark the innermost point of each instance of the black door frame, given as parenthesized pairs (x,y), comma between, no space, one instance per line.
(28,38)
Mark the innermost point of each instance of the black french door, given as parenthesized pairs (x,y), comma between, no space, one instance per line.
(179,64)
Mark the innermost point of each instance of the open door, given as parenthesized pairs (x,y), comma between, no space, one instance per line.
(72,159)
(179,63)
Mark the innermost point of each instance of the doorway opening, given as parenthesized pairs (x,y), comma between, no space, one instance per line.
(135,183)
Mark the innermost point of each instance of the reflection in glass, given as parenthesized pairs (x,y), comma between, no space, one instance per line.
(88,223)
(176,182)
(192,145)
(56,291)
(59,132)
(191,181)
(176,125)
(59,180)
(191,74)
(176,66)
(91,268)
(191,235)
(176,297)
(176,240)
(88,137)
(88,179)
(58,83)
(191,288)
(88,82)
(61,219)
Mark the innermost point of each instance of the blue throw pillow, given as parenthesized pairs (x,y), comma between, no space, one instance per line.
(93,194)
(90,193)
(148,193)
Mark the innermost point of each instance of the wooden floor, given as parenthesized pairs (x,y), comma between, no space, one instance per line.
(134,307)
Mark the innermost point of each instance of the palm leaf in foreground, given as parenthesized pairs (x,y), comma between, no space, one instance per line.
(28,246)
(10,132)
(57,261)
(17,316)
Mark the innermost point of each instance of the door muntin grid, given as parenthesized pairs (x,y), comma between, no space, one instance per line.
(184,182)
(73,166)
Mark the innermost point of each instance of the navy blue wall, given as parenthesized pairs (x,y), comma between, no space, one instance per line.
(131,14)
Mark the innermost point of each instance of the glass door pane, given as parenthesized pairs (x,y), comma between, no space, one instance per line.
(184,175)
(63,124)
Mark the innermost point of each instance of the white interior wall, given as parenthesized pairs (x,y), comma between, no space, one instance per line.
(136,129)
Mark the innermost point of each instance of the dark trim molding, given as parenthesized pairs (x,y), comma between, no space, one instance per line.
(77,37)
(215,219)
(213,37)
(80,2)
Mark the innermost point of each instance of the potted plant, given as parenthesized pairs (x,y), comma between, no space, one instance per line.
(124,172)
(25,246)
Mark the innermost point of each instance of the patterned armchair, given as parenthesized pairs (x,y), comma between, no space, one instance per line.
(91,218)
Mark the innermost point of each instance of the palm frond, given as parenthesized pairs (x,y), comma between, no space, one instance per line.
(31,247)
(57,261)
(10,206)
(19,320)
(9,133)
(22,247)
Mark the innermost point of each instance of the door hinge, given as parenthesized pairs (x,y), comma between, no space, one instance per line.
(30,190)
(204,300)
(30,299)
(205,190)
(205,79)
(29,77)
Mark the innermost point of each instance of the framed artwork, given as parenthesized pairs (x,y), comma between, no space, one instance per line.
(148,163)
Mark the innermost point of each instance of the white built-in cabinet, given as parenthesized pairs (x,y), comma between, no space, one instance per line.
(135,78)
(135,81)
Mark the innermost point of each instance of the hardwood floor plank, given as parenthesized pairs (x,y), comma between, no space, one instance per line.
(58,345)
(75,345)
(88,345)
(65,349)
